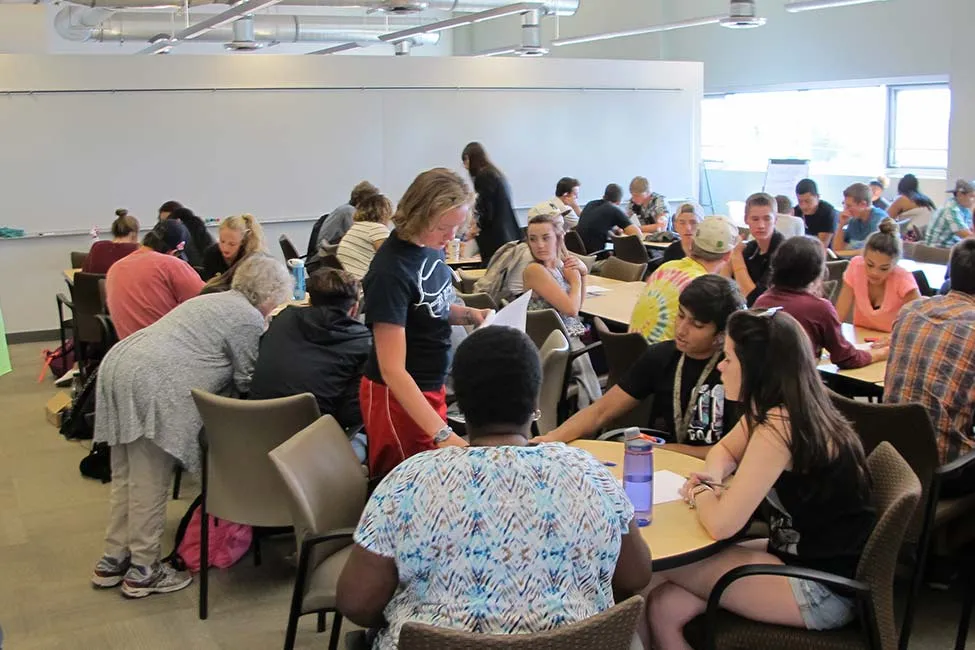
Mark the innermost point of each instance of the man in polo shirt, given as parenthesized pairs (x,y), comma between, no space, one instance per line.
(656,308)
(859,218)
(954,221)
(751,262)
(820,216)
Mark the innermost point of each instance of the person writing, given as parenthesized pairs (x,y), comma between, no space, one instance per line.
(602,217)
(647,210)
(238,237)
(689,403)
(793,450)
(409,304)
(125,240)
(858,219)
(798,269)
(874,286)
(496,221)
(535,537)
(750,262)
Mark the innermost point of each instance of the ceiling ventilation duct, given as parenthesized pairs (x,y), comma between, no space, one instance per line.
(742,15)
(531,38)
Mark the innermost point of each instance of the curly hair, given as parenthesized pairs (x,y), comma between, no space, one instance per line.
(263,280)
(431,194)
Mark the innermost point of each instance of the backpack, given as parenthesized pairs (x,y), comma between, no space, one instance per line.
(228,542)
(494,282)
(313,240)
(60,360)
(98,463)
(76,425)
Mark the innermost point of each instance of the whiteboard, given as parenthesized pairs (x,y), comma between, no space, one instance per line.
(783,174)
(69,159)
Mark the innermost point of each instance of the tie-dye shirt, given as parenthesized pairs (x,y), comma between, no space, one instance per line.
(497,540)
(656,309)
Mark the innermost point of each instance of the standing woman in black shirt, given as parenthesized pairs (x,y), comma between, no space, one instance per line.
(409,305)
(793,449)
(496,222)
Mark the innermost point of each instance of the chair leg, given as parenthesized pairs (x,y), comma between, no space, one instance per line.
(257,548)
(204,547)
(177,480)
(321,622)
(333,642)
(966,608)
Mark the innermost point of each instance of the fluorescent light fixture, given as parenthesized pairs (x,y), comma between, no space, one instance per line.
(810,5)
(652,29)
(218,20)
(501,51)
(335,49)
(460,21)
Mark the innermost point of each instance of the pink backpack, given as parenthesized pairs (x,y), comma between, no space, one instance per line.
(228,541)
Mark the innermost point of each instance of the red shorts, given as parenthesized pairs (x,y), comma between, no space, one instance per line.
(393,435)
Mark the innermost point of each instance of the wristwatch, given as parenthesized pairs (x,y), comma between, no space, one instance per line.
(443,434)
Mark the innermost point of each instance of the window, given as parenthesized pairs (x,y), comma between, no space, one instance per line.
(919,118)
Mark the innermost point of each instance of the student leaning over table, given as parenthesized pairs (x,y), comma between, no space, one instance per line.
(795,451)
(689,402)
(858,220)
(409,304)
(647,209)
(874,286)
(499,537)
(238,237)
(655,309)
(144,410)
(125,240)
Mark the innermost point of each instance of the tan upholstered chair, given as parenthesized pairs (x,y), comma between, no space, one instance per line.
(555,359)
(477,300)
(609,630)
(327,490)
(239,482)
(616,269)
(931,255)
(896,493)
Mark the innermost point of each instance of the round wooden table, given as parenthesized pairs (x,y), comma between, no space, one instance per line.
(675,537)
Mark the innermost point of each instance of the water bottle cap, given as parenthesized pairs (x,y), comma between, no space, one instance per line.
(641,444)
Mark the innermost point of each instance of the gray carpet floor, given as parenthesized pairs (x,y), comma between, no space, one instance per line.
(51,526)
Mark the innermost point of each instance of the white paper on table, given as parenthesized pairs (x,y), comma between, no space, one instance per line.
(666,486)
(593,290)
(515,314)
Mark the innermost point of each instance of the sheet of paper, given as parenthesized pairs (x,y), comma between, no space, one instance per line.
(666,486)
(593,290)
(513,315)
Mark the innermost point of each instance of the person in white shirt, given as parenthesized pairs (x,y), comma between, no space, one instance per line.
(785,221)
(369,230)
(567,201)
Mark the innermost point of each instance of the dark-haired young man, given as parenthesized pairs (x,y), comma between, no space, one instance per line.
(566,199)
(821,218)
(320,349)
(683,372)
(601,216)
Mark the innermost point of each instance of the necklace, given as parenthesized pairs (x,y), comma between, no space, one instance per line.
(683,420)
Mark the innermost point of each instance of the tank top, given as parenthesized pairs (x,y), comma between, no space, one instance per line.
(573,325)
(819,520)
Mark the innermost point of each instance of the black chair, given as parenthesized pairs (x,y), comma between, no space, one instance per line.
(86,302)
(922,284)
(573,242)
(78,259)
(630,248)
(313,238)
(288,249)
(622,351)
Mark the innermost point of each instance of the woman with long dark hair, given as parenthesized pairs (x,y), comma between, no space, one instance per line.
(912,208)
(793,450)
(496,222)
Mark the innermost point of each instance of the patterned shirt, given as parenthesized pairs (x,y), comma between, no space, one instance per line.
(932,361)
(943,231)
(655,211)
(497,540)
(656,309)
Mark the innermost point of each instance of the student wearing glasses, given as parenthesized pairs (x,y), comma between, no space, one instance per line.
(793,450)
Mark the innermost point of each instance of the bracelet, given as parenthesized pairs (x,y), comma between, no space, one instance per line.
(692,501)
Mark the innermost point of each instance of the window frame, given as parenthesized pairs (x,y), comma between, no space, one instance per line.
(891,130)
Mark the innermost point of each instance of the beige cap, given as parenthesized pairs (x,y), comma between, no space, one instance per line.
(716,234)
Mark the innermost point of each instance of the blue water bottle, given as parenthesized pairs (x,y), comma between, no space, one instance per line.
(297,267)
(638,474)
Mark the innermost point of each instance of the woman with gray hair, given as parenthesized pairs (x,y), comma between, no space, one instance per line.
(145,412)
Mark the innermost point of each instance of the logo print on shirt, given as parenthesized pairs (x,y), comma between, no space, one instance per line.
(436,299)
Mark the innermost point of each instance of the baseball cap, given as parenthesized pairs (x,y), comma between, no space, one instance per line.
(716,234)
(963,186)
(173,233)
(548,208)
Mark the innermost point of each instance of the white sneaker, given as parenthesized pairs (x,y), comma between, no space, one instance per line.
(161,578)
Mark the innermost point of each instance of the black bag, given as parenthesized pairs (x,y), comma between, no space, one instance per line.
(77,424)
(98,463)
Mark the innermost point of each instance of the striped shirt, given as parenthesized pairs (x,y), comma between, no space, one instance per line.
(932,361)
(943,231)
(356,249)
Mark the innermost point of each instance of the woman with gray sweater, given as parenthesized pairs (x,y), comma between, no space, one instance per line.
(145,412)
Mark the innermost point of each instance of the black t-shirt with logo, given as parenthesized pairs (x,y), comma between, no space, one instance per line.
(410,286)
(824,219)
(654,374)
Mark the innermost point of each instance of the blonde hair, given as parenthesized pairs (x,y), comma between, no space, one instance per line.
(639,184)
(431,194)
(252,235)
(558,226)
(375,208)
(687,208)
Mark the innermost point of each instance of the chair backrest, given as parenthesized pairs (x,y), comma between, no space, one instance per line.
(588,260)
(907,427)
(921,279)
(109,335)
(78,259)
(467,282)
(242,484)
(831,291)
(612,629)
(622,351)
(326,485)
(931,255)
(909,248)
(478,300)
(554,353)
(573,242)
(835,270)
(630,248)
(539,323)
(88,301)
(288,248)
(896,494)
(616,269)
(313,238)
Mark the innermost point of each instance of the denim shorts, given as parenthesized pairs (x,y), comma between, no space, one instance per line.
(821,608)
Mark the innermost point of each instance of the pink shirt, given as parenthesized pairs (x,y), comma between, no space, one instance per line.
(143,287)
(900,283)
